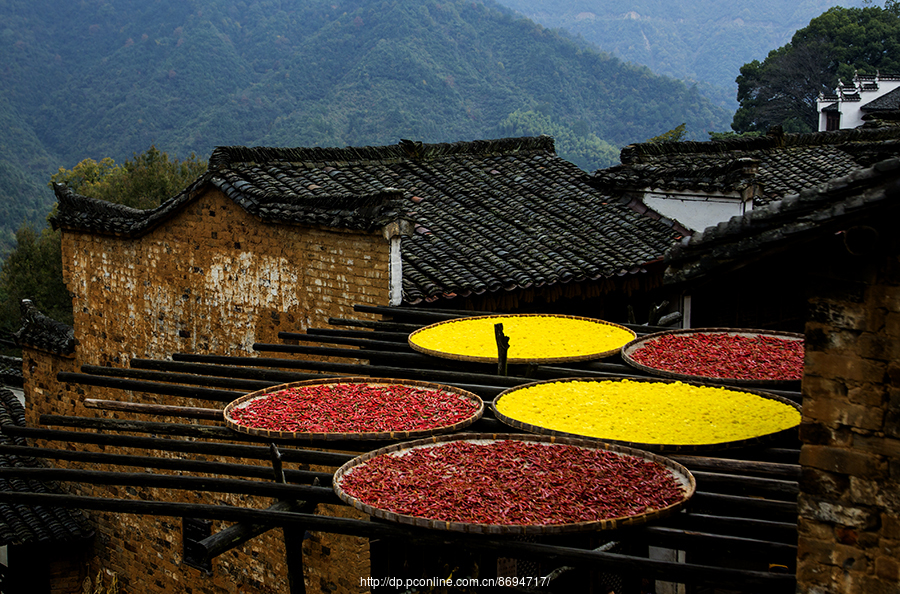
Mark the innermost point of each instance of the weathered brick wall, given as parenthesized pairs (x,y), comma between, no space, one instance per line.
(214,279)
(850,489)
(210,280)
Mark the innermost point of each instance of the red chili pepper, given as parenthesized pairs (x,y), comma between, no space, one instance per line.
(721,355)
(512,482)
(354,408)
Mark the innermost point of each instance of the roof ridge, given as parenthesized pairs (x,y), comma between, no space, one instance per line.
(635,152)
(223,156)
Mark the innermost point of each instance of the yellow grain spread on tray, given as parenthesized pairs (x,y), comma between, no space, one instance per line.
(530,337)
(648,412)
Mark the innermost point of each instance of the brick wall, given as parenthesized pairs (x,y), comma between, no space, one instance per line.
(850,489)
(214,280)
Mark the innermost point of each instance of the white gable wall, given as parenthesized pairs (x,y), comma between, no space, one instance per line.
(696,212)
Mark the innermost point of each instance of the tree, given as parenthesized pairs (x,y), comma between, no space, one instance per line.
(676,134)
(782,90)
(144,182)
(574,143)
(33,270)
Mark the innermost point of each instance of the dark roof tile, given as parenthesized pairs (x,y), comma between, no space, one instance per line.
(32,524)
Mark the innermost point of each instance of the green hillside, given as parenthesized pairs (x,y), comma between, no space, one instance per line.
(103,78)
(705,40)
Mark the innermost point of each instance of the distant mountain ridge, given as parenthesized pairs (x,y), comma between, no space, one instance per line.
(705,41)
(102,78)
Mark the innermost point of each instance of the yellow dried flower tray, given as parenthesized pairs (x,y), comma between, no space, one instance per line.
(533,338)
(658,415)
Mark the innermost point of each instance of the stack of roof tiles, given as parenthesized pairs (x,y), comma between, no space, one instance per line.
(487,216)
(786,163)
(32,524)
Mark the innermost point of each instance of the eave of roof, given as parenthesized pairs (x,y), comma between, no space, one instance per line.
(813,212)
(43,333)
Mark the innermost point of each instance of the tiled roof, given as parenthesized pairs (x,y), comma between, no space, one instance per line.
(788,163)
(487,215)
(32,524)
(11,371)
(813,212)
(887,102)
(40,332)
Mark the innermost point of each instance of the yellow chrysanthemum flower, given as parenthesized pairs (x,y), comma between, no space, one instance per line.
(531,338)
(659,413)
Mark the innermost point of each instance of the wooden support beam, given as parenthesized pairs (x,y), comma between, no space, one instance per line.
(166,463)
(174,481)
(401,337)
(219,450)
(184,412)
(784,532)
(376,325)
(753,468)
(688,573)
(230,383)
(736,505)
(272,376)
(689,540)
(446,377)
(388,346)
(237,534)
(747,485)
(153,387)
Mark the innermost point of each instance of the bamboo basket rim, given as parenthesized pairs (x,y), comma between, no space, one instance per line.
(517,360)
(362,435)
(638,343)
(681,474)
(651,447)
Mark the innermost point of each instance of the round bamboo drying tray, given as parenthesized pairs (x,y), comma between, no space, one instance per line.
(681,475)
(635,345)
(545,338)
(370,435)
(662,448)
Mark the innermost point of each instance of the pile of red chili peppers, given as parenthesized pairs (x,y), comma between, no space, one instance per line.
(354,408)
(731,356)
(512,482)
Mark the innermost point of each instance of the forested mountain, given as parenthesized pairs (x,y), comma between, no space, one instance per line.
(104,78)
(701,40)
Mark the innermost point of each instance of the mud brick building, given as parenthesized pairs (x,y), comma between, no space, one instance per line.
(272,240)
(841,240)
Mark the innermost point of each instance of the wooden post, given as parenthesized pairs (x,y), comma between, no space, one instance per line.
(502,348)
(293,537)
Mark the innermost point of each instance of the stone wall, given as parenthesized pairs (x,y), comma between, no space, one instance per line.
(210,280)
(850,488)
